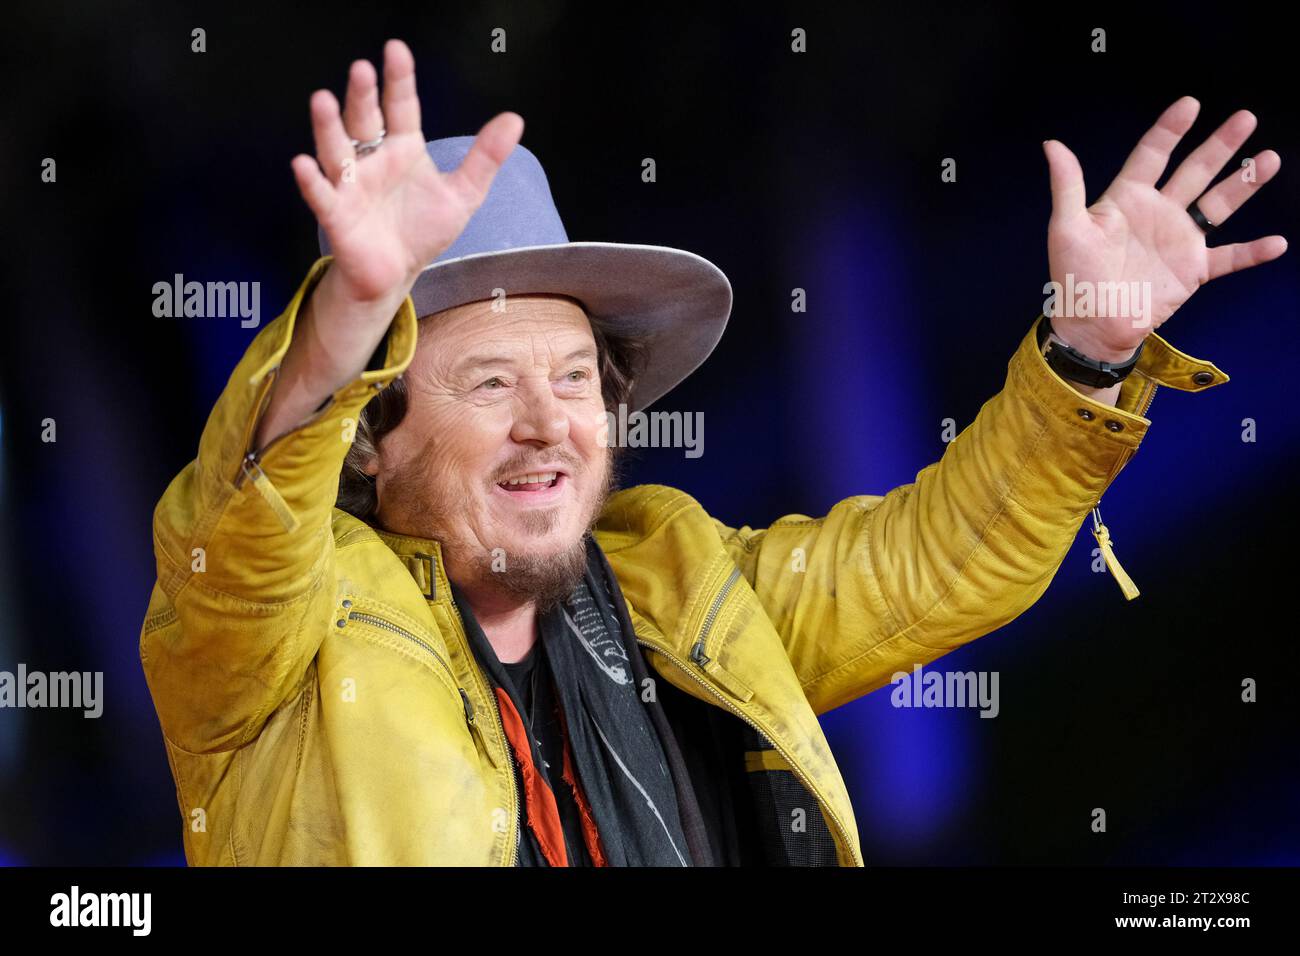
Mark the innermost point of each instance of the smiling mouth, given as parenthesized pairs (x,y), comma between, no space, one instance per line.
(532,483)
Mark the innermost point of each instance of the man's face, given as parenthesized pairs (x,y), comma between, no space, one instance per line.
(495,397)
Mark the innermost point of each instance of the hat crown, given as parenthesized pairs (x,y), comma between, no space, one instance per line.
(518,211)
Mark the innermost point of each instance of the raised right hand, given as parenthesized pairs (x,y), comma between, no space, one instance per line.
(388,214)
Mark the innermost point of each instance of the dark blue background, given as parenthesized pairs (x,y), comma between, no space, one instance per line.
(819,171)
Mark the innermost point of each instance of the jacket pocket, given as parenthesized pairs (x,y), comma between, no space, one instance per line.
(352,616)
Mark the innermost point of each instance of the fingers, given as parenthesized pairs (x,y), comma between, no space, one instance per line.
(1151,155)
(1243,255)
(401,103)
(315,188)
(1068,190)
(489,150)
(1231,194)
(333,145)
(362,117)
(1199,169)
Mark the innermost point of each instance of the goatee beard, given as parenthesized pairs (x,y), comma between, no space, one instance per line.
(546,580)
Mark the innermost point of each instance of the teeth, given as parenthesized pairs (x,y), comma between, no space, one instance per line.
(541,477)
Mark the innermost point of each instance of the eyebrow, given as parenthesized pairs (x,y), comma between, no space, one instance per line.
(475,362)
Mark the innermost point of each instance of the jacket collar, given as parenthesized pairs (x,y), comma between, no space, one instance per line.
(423,558)
(624,534)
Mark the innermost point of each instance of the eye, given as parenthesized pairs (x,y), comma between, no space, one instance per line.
(582,374)
(489,382)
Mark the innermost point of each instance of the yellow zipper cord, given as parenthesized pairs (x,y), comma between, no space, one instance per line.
(1102,534)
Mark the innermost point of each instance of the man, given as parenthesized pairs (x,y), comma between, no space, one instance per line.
(483,655)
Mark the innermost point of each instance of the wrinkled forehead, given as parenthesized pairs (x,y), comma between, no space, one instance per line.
(522,324)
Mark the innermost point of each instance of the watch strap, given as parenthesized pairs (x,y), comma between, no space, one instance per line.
(1072,364)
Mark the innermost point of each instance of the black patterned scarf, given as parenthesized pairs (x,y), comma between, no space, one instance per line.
(638,795)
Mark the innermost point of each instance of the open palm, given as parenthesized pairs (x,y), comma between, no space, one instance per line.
(1144,238)
(388,214)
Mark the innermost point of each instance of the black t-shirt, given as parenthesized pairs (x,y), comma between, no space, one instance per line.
(531,677)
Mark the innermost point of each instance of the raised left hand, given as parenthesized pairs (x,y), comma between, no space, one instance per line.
(1144,237)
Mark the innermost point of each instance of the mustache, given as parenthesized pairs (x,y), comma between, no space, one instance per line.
(568,463)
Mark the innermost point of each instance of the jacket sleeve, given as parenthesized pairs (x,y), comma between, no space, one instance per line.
(884,582)
(244,547)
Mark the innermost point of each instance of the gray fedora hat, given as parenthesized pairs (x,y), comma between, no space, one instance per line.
(515,241)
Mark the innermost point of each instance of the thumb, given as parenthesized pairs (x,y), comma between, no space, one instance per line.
(315,188)
(1069,197)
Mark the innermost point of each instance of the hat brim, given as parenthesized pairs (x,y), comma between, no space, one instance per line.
(678,301)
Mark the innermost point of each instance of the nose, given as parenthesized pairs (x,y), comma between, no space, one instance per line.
(540,417)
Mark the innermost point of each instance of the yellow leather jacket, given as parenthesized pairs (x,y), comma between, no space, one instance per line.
(320,704)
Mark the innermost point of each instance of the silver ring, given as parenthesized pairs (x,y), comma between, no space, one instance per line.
(364,149)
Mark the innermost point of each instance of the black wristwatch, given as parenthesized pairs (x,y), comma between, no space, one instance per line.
(1077,367)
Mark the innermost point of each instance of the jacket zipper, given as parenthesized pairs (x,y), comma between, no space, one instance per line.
(839,826)
(701,659)
(1150,398)
(250,465)
(416,639)
(1102,533)
(697,652)
(501,727)
(413,638)
(720,674)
